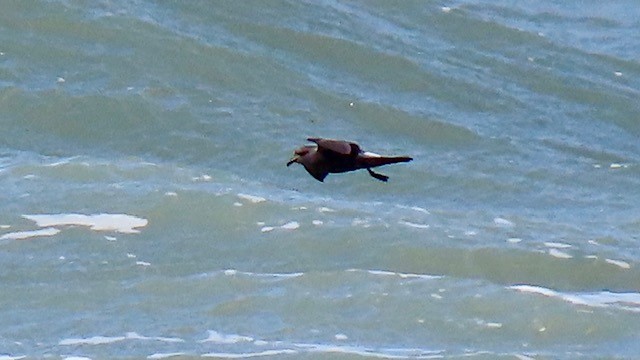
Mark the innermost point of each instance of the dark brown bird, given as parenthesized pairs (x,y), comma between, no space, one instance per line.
(338,156)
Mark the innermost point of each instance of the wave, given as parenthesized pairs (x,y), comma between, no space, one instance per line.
(101,340)
(623,301)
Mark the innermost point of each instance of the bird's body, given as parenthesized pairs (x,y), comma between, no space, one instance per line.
(338,156)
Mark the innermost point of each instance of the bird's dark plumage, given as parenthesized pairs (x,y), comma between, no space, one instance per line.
(338,156)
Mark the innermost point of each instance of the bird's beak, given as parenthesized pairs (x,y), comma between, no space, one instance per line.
(293,159)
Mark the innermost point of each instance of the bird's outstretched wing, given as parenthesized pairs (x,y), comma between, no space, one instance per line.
(336,146)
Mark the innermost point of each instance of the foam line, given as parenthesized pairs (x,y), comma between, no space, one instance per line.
(99,222)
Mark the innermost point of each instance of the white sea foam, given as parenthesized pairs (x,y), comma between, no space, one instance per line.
(371,353)
(414,225)
(523,357)
(559,254)
(21,235)
(291,225)
(99,222)
(203,178)
(101,340)
(164,355)
(219,338)
(398,274)
(9,357)
(419,209)
(136,336)
(64,161)
(557,245)
(618,263)
(282,348)
(501,222)
(76,358)
(94,340)
(250,355)
(252,198)
(365,223)
(488,324)
(232,272)
(624,301)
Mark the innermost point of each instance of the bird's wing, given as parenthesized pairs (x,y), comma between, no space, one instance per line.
(337,146)
(318,174)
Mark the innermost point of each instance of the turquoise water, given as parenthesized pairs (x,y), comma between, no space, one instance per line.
(146,210)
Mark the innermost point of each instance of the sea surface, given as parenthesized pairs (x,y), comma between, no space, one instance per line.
(146,211)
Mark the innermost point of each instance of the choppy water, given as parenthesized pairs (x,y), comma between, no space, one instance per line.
(146,210)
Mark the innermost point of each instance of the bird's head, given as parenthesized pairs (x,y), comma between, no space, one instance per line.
(300,153)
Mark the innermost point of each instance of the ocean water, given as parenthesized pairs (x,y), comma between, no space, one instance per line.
(146,210)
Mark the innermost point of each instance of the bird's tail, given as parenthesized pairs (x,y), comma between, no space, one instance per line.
(374,161)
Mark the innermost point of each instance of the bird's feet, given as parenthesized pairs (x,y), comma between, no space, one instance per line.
(378,175)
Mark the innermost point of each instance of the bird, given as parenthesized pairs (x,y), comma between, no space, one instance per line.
(330,156)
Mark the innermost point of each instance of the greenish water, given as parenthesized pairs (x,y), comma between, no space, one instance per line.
(146,210)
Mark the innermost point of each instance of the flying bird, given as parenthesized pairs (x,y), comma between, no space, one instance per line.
(338,156)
